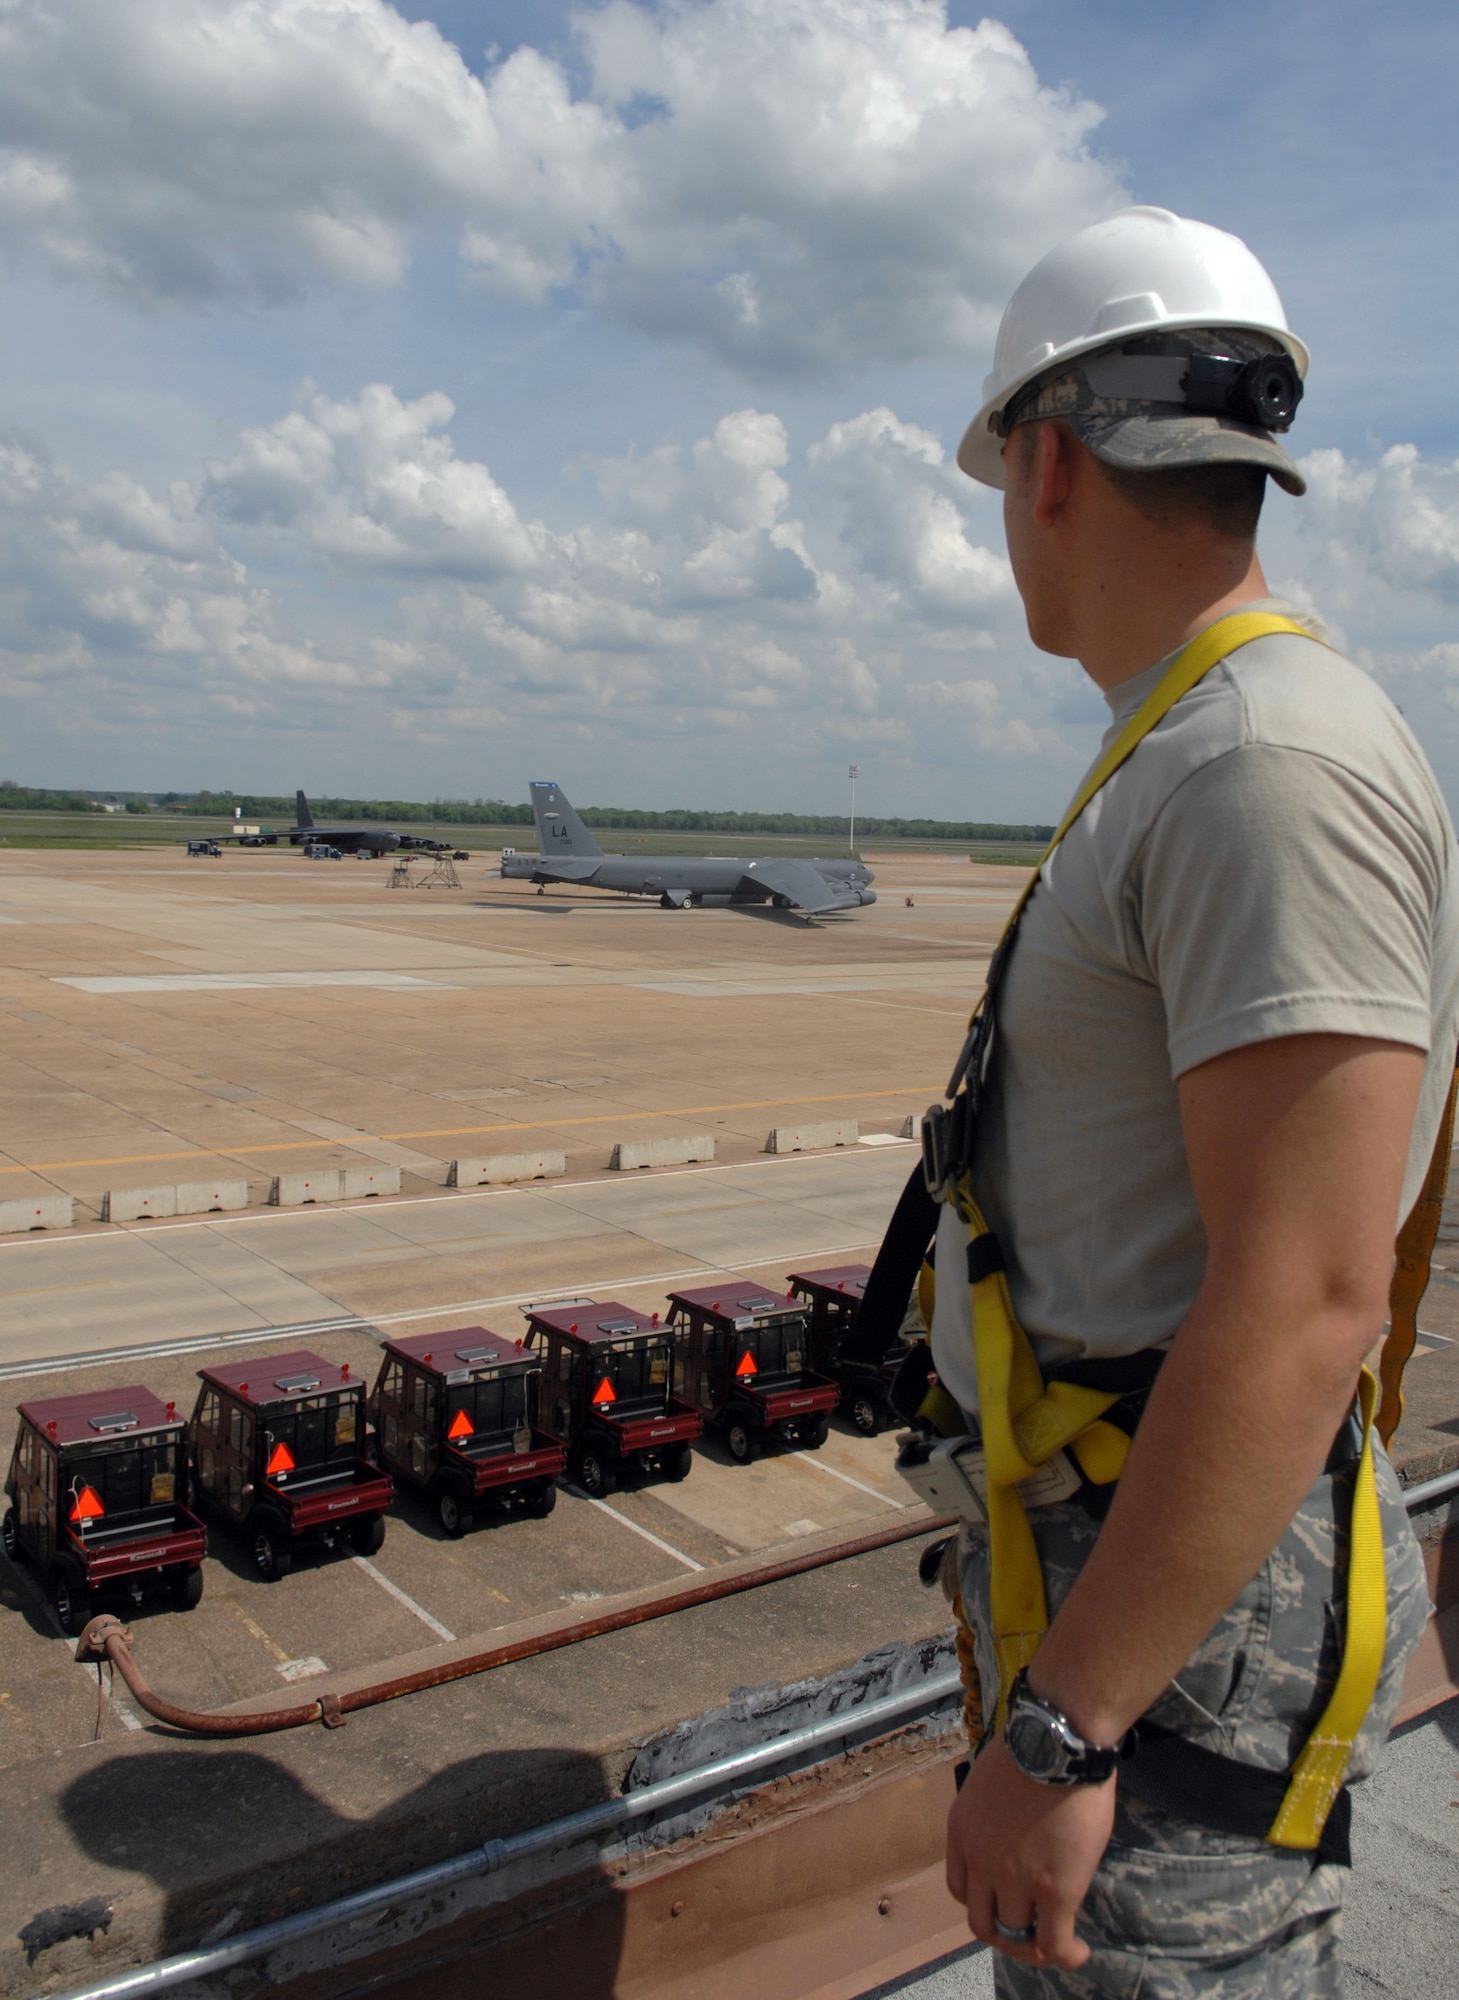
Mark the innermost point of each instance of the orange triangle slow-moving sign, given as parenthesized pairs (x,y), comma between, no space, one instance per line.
(87,1506)
(460,1426)
(281,1459)
(747,1364)
(603,1394)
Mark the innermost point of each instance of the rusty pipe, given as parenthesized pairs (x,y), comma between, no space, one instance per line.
(107,1639)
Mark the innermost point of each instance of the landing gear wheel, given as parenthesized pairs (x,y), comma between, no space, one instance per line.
(73,1607)
(10,1535)
(187,1590)
(740,1441)
(865,1414)
(454,1515)
(273,1557)
(676,1462)
(814,1431)
(596,1475)
(369,1535)
(541,1498)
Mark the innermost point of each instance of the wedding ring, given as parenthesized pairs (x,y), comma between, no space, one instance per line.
(1014,1934)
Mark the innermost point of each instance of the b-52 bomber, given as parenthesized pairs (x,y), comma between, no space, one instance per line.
(570,855)
(351,839)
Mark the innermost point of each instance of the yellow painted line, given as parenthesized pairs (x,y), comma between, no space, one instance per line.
(463,1131)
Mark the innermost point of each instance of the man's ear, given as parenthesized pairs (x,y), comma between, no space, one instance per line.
(1053,456)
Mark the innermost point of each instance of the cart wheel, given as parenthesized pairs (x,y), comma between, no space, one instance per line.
(10,1535)
(73,1607)
(187,1589)
(814,1431)
(369,1535)
(455,1518)
(596,1475)
(273,1558)
(865,1414)
(677,1461)
(741,1441)
(542,1497)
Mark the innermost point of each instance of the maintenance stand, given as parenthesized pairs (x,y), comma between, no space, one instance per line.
(741,1356)
(605,1391)
(455,1416)
(833,1294)
(278,1448)
(96,1486)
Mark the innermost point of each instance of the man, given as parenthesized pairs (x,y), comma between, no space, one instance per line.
(1224,1040)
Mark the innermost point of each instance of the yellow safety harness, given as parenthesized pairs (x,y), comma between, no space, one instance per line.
(1025,1422)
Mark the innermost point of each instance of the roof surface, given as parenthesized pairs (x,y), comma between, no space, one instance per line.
(72,1415)
(461,1347)
(278,1378)
(835,1278)
(596,1319)
(736,1297)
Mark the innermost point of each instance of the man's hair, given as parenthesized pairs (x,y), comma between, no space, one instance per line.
(1221,499)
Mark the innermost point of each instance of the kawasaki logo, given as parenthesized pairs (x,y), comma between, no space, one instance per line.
(146,1555)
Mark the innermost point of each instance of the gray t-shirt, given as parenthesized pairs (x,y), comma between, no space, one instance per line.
(1274,859)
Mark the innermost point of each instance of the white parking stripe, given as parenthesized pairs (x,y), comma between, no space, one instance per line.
(623,1520)
(810,1459)
(393,1589)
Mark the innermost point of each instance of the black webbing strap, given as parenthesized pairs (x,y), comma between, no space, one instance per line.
(1193,1783)
(884,1303)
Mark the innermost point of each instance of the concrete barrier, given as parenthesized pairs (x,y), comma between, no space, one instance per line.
(137,1204)
(673,1152)
(805,1138)
(496,1169)
(187,1198)
(37,1211)
(356,1182)
(293,1190)
(208,1197)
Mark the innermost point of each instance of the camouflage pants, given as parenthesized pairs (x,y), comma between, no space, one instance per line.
(1178,1911)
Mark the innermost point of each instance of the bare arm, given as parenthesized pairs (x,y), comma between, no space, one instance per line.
(1296,1150)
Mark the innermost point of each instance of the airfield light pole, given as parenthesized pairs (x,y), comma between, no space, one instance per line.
(854,774)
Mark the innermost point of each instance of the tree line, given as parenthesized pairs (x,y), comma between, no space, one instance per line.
(258,806)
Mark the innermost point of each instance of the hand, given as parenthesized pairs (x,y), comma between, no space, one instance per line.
(1015,1847)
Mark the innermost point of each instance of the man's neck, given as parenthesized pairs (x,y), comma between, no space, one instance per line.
(1156,604)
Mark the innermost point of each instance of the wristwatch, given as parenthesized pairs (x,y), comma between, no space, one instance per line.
(1046,1746)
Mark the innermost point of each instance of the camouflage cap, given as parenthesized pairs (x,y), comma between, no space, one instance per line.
(1145,432)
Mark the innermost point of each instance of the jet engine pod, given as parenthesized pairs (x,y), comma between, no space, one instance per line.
(865,896)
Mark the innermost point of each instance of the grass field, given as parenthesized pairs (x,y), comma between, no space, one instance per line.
(150,830)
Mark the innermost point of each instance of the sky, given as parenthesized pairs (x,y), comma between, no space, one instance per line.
(414,400)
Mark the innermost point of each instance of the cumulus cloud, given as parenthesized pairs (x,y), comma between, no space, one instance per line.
(736,598)
(790,184)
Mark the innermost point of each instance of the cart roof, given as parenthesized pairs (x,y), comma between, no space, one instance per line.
(280,1378)
(736,1299)
(462,1347)
(848,1278)
(595,1319)
(100,1413)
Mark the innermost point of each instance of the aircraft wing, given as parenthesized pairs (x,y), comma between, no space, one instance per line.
(799,884)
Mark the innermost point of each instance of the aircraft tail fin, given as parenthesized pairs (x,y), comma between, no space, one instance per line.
(559,830)
(301,810)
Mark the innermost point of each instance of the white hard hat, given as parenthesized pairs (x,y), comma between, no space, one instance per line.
(1141,272)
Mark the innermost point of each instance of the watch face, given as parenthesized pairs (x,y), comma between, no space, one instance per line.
(1033,1744)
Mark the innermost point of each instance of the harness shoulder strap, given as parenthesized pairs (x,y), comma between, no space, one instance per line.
(1414,1255)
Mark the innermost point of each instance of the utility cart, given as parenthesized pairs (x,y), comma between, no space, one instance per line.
(278,1448)
(455,1416)
(833,1295)
(97,1486)
(742,1356)
(606,1394)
